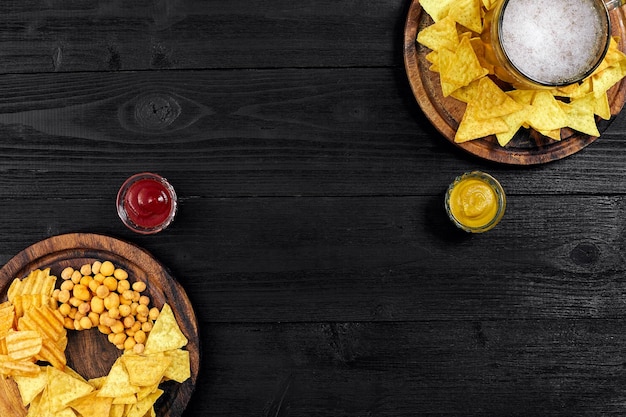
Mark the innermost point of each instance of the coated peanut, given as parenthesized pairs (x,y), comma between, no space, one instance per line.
(100,295)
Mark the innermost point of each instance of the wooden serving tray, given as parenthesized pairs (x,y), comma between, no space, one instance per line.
(89,352)
(527,147)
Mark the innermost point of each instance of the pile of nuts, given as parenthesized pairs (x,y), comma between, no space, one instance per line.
(101,295)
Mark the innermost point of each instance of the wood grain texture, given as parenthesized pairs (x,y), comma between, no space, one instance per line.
(485,367)
(311,239)
(528,147)
(74,250)
(302,132)
(371,259)
(113,35)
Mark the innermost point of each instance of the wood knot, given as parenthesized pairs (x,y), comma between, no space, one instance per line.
(156,111)
(585,253)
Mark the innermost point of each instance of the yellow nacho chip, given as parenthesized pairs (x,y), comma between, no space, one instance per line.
(581,116)
(165,335)
(468,14)
(473,127)
(552,134)
(91,405)
(142,407)
(117,383)
(437,9)
(602,107)
(65,412)
(523,97)
(607,78)
(489,4)
(467,93)
(180,367)
(546,113)
(440,35)
(146,370)
(492,101)
(31,386)
(62,389)
(432,57)
(482,54)
(97,383)
(145,391)
(39,405)
(514,121)
(459,68)
(125,399)
(489,109)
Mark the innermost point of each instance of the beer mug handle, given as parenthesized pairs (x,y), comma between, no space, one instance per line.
(614,4)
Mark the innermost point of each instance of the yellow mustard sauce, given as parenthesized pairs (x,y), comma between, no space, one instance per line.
(475,202)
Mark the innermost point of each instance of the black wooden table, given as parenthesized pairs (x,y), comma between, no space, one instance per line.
(311,237)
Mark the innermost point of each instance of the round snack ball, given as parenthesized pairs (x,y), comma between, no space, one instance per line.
(107,268)
(67,273)
(95,267)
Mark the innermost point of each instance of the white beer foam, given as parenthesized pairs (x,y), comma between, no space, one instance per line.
(553,41)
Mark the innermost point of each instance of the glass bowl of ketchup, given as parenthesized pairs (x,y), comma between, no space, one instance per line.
(146,203)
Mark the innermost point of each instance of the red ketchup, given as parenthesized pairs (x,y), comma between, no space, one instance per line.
(146,203)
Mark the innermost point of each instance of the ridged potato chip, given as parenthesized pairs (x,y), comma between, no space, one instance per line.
(45,320)
(23,345)
(37,282)
(17,368)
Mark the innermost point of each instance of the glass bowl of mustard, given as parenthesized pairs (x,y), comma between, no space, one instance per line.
(475,202)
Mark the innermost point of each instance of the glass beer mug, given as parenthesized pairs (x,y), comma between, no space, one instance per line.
(550,43)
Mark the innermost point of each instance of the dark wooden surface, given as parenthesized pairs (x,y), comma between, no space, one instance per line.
(311,237)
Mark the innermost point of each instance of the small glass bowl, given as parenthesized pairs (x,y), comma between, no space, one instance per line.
(500,201)
(127,217)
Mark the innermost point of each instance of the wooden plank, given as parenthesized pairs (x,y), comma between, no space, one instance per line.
(323,132)
(70,36)
(481,368)
(362,259)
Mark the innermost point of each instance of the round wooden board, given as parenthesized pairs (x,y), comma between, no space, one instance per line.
(89,352)
(527,147)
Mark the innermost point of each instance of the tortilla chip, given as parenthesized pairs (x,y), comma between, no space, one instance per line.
(546,113)
(142,407)
(467,93)
(93,406)
(492,101)
(514,121)
(602,107)
(63,388)
(117,410)
(552,134)
(459,68)
(468,14)
(31,386)
(607,78)
(165,335)
(581,116)
(180,367)
(440,35)
(146,370)
(437,9)
(117,382)
(472,127)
